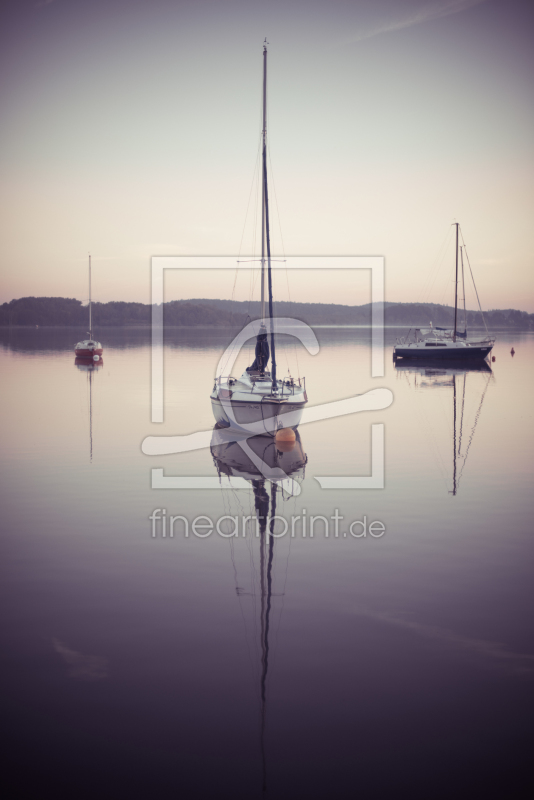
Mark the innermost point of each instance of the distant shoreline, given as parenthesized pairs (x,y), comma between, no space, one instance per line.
(331,326)
(60,312)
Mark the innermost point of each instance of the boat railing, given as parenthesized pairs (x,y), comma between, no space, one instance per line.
(287,383)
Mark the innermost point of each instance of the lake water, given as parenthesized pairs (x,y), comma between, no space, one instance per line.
(328,666)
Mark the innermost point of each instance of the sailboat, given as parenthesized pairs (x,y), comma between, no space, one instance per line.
(258,396)
(434,342)
(89,348)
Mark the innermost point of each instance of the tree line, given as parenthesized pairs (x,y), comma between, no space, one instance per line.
(62,311)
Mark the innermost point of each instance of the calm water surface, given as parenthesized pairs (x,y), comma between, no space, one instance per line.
(245,667)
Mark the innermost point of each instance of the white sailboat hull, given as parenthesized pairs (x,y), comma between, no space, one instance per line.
(269,416)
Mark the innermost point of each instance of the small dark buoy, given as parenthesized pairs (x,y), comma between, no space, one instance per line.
(512,352)
(493,358)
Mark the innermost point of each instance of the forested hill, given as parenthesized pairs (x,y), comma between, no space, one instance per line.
(61,311)
(54,311)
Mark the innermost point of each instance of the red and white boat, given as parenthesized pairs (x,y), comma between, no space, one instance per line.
(89,348)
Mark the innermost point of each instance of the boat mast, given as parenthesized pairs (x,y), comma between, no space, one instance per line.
(456,287)
(264,141)
(267,236)
(463,288)
(90,320)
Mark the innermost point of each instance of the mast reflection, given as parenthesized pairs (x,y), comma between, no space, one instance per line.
(89,366)
(272,468)
(434,375)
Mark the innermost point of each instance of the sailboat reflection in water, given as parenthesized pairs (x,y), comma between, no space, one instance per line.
(89,366)
(454,377)
(272,468)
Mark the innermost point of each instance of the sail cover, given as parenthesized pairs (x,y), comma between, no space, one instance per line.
(442,332)
(262,352)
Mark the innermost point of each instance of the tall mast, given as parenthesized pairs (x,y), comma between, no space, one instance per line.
(264,148)
(267,236)
(90,320)
(456,288)
(269,275)
(463,288)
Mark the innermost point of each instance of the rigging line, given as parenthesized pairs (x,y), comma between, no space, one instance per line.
(276,200)
(245,223)
(256,162)
(281,238)
(477,415)
(283,253)
(265,660)
(463,289)
(254,181)
(238,501)
(474,284)
(433,446)
(253,574)
(448,423)
(462,417)
(428,283)
(254,273)
(269,273)
(454,475)
(443,294)
(255,226)
(258,196)
(229,356)
(227,508)
(262,608)
(447,294)
(436,268)
(282,605)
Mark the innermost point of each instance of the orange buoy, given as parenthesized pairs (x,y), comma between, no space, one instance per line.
(285,439)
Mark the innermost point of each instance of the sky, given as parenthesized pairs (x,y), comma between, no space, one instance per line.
(130,128)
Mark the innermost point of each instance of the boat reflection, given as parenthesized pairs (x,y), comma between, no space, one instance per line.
(262,461)
(90,366)
(437,367)
(259,458)
(454,377)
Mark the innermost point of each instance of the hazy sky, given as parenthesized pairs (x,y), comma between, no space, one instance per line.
(130,128)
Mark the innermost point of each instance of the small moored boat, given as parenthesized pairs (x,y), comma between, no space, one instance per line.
(89,348)
(438,343)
